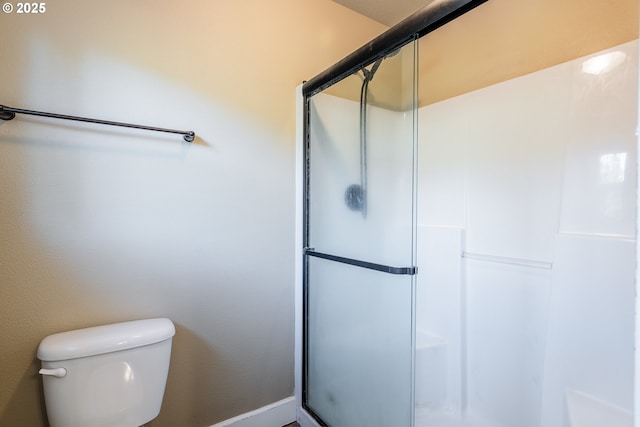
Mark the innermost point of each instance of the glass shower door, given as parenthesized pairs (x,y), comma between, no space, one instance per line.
(360,228)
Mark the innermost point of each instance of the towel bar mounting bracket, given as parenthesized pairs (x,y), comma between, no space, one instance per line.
(6,115)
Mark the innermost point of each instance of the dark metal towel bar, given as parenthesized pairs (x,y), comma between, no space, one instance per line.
(8,113)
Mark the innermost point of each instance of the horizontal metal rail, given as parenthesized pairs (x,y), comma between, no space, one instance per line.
(8,113)
(424,21)
(410,271)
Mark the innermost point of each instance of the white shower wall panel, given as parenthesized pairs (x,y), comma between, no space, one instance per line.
(443,138)
(506,159)
(507,308)
(514,150)
(439,318)
(538,168)
(591,334)
(599,182)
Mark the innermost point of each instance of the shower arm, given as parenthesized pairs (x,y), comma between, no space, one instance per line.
(8,113)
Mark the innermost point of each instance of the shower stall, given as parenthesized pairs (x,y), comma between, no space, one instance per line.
(467,247)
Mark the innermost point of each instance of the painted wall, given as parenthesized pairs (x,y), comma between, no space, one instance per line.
(99,225)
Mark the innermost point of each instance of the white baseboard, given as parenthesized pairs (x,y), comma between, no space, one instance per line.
(276,414)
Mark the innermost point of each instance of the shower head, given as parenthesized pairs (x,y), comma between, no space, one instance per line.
(392,54)
(356,199)
(368,74)
(375,67)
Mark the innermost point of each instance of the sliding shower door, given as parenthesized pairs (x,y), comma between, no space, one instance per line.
(360,227)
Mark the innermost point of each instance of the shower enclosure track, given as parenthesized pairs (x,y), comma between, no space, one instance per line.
(8,113)
(436,14)
(424,21)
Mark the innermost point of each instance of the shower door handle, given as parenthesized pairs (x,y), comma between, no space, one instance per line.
(410,271)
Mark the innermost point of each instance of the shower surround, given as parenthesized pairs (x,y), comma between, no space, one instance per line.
(525,243)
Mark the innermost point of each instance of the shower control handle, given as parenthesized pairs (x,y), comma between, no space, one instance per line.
(55,372)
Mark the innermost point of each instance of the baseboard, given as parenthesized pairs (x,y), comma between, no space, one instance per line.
(277,414)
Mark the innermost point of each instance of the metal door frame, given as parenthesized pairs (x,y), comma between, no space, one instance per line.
(417,25)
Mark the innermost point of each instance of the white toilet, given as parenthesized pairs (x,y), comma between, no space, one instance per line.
(106,376)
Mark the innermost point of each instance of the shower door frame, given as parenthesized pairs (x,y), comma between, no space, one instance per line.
(308,252)
(417,25)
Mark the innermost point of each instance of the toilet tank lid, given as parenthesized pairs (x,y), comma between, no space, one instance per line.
(104,339)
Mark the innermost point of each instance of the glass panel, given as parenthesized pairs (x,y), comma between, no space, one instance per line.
(359,346)
(359,322)
(361,164)
(528,159)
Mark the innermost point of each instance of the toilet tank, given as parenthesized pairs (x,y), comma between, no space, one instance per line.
(106,376)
